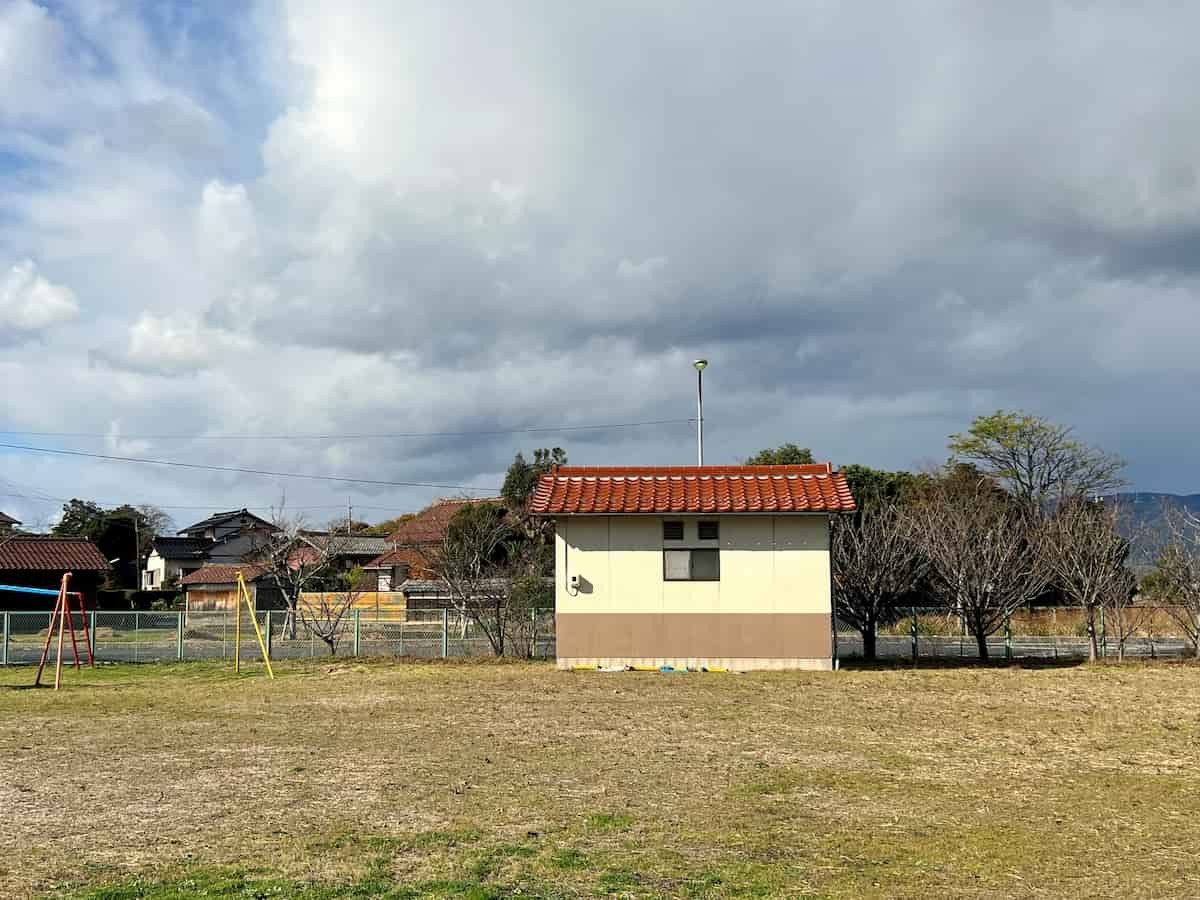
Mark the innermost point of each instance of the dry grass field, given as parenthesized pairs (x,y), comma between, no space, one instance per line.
(492,780)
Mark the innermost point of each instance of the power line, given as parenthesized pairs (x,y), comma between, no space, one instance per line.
(110,457)
(39,497)
(26,492)
(334,436)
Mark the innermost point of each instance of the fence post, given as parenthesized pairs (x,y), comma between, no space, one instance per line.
(4,648)
(179,638)
(1008,636)
(92,632)
(445,633)
(269,617)
(1103,636)
(137,633)
(912,629)
(357,623)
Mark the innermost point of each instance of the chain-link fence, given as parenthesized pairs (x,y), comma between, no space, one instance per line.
(1142,631)
(172,636)
(925,632)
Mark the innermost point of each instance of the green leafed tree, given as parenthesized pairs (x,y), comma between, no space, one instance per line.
(1037,461)
(522,476)
(878,487)
(788,454)
(124,533)
(80,518)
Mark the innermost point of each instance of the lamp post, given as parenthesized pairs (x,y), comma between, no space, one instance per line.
(700,365)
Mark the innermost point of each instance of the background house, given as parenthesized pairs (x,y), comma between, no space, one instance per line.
(714,566)
(171,558)
(8,523)
(344,551)
(39,561)
(223,525)
(413,545)
(225,537)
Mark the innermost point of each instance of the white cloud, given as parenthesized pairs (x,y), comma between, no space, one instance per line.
(31,42)
(226,224)
(174,345)
(29,303)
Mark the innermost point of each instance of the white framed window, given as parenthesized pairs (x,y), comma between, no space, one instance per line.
(695,564)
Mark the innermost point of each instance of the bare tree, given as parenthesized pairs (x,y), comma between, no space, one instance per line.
(876,565)
(292,560)
(1037,461)
(1178,574)
(1124,616)
(480,559)
(323,612)
(1085,556)
(983,559)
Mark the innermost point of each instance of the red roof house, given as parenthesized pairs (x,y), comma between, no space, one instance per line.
(34,560)
(414,541)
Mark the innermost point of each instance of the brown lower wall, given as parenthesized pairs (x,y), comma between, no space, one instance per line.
(698,635)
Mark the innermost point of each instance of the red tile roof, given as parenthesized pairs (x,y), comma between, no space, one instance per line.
(51,554)
(222,574)
(428,526)
(580,490)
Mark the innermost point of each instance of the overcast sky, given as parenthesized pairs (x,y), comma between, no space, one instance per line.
(875,220)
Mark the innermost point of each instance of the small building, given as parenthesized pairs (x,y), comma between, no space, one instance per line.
(213,588)
(7,523)
(34,560)
(697,567)
(224,537)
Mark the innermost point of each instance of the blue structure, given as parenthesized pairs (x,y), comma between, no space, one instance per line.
(28,590)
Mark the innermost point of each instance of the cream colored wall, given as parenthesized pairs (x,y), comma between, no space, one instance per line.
(769,564)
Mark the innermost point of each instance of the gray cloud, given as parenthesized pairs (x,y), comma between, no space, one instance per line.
(876,224)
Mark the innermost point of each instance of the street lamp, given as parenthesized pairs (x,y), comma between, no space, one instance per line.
(700,365)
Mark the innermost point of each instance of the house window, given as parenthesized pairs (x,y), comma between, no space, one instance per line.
(708,531)
(692,565)
(672,531)
(384,582)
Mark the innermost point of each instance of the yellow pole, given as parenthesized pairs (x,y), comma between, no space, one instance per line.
(237,626)
(61,621)
(244,593)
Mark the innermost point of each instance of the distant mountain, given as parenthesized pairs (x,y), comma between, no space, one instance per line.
(1145,521)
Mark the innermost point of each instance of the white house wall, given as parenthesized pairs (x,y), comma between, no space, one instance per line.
(769,609)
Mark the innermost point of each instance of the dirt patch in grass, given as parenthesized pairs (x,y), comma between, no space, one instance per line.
(487,780)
